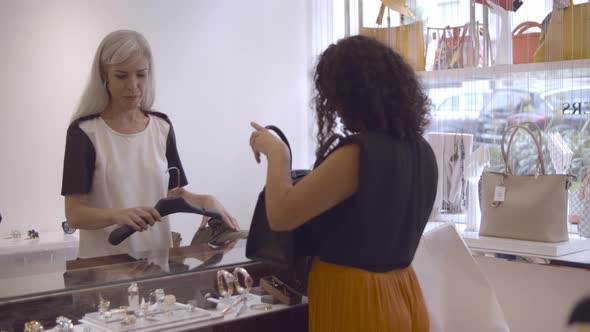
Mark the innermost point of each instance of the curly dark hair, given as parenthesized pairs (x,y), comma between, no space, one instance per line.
(371,88)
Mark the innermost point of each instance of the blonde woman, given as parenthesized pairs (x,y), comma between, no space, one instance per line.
(118,153)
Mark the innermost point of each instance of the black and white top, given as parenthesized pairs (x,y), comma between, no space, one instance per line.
(121,171)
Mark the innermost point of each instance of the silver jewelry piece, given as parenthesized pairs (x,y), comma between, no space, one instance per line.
(64,324)
(14,234)
(225,278)
(133,298)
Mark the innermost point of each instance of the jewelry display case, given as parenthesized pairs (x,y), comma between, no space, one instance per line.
(183,289)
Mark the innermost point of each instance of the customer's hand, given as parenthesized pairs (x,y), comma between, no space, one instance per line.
(211,202)
(263,141)
(138,218)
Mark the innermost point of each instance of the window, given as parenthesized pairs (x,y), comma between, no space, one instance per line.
(483,101)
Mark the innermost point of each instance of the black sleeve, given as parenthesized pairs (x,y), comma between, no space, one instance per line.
(79,161)
(174,161)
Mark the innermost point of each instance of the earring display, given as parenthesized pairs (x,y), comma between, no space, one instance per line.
(155,317)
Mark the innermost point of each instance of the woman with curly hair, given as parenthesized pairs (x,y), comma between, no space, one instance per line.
(369,198)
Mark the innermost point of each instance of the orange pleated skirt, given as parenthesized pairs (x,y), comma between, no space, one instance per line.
(346,299)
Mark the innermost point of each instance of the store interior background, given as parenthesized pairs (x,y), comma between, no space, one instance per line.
(218,66)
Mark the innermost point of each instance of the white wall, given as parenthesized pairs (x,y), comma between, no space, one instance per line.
(218,65)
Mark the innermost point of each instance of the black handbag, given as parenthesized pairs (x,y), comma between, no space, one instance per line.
(288,251)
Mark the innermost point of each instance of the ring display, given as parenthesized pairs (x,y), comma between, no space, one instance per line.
(64,324)
(225,283)
(33,326)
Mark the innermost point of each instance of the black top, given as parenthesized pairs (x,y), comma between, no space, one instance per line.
(379,227)
(80,158)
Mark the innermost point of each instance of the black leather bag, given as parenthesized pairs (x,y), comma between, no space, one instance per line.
(289,251)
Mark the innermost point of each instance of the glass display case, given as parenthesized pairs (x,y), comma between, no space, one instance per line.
(198,287)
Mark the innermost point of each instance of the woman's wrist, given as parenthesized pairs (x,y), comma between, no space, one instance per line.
(110,216)
(279,154)
(200,200)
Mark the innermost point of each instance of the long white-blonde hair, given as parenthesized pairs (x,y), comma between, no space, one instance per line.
(115,48)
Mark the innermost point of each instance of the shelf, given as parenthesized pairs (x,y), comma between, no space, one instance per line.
(574,245)
(47,241)
(554,250)
(559,70)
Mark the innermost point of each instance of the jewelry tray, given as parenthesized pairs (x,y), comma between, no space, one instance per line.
(176,315)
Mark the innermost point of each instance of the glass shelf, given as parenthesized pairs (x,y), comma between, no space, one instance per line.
(578,70)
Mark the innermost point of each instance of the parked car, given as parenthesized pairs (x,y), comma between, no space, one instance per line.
(508,107)
(486,114)
(459,113)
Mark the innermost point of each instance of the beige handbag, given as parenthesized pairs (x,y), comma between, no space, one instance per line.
(524,207)
(407,40)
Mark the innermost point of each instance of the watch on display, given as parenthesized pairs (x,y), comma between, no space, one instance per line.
(67,228)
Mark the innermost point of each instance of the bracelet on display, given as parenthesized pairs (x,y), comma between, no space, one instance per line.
(261,306)
(224,279)
(248,282)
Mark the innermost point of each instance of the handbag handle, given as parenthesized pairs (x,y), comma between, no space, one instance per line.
(524,26)
(326,147)
(284,139)
(506,153)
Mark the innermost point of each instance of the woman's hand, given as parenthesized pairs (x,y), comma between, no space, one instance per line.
(211,202)
(263,141)
(138,218)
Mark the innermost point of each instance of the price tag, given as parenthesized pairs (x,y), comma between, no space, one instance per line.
(499,194)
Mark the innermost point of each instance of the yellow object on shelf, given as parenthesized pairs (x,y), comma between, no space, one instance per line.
(567,35)
(407,39)
(399,6)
